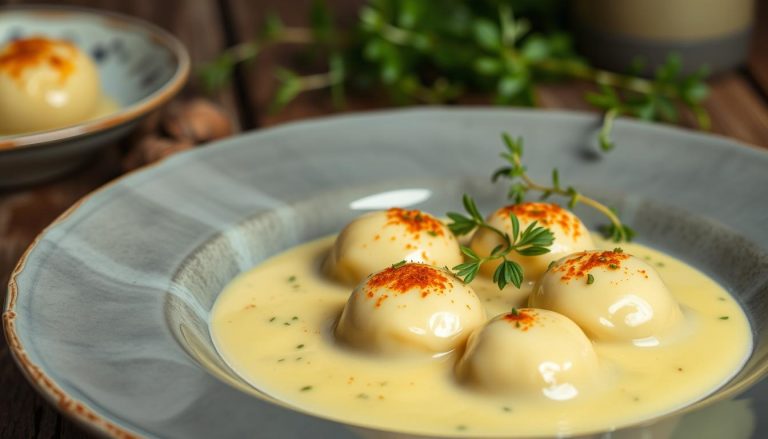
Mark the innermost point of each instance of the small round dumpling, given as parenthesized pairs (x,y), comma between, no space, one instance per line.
(570,235)
(612,295)
(377,240)
(529,352)
(45,84)
(412,308)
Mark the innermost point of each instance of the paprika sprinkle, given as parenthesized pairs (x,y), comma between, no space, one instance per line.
(32,52)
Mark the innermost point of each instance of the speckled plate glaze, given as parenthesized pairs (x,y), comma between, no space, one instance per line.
(107,312)
(140,66)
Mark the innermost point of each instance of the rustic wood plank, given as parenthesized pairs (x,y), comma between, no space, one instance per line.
(737,111)
(247,17)
(24,212)
(758,56)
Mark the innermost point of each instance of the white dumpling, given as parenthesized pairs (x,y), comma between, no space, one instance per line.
(570,235)
(529,352)
(412,308)
(612,295)
(45,84)
(377,240)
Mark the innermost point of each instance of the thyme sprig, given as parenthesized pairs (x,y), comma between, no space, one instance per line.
(521,183)
(533,241)
(427,52)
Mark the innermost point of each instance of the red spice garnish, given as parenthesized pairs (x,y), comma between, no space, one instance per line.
(545,214)
(408,277)
(415,221)
(30,52)
(521,318)
(579,266)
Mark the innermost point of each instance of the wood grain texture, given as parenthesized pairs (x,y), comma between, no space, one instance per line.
(758,56)
(259,77)
(737,110)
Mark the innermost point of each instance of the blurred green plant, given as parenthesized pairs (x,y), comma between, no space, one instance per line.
(435,52)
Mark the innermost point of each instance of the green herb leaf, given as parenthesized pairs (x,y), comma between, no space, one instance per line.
(486,34)
(471,208)
(470,253)
(460,225)
(321,21)
(289,88)
(467,271)
(515,227)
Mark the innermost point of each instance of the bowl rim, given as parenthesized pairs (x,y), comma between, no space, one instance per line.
(166,91)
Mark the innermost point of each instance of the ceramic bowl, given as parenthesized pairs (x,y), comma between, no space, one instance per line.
(141,66)
(107,312)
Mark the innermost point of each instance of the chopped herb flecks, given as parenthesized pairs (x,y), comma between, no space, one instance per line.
(399,264)
(306,388)
(590,279)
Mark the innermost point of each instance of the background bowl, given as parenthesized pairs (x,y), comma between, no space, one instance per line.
(141,67)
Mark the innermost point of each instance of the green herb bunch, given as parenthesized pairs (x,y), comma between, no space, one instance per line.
(436,52)
(533,241)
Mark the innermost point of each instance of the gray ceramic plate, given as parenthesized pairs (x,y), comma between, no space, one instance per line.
(107,312)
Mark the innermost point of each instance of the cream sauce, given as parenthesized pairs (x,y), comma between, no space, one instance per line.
(273,325)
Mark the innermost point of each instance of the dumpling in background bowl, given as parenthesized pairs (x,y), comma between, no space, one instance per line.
(139,67)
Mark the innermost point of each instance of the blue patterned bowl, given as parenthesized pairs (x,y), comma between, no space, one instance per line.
(141,67)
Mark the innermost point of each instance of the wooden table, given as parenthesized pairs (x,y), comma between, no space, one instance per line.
(738,104)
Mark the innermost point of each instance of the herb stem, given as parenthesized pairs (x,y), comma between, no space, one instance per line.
(603,77)
(575,196)
(248,50)
(320,80)
(605,131)
(508,245)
